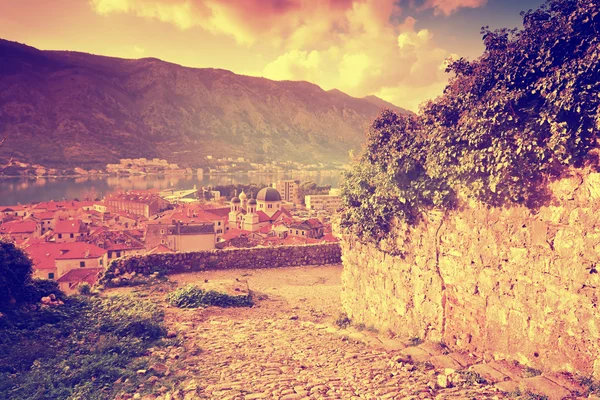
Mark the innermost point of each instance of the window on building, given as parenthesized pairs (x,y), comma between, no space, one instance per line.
(162,231)
(101,262)
(302,233)
(60,235)
(118,254)
(110,254)
(71,235)
(219,223)
(81,264)
(162,241)
(51,275)
(296,232)
(270,205)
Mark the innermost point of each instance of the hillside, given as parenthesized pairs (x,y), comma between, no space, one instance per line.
(66,108)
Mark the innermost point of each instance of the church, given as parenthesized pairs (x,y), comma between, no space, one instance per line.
(253,214)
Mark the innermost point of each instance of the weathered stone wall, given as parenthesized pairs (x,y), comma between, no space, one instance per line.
(258,257)
(507,283)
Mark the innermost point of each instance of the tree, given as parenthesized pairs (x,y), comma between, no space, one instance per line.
(15,273)
(508,122)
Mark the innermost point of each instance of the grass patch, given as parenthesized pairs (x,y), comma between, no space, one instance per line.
(415,341)
(193,297)
(77,350)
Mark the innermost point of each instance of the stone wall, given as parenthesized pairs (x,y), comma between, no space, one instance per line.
(258,257)
(506,283)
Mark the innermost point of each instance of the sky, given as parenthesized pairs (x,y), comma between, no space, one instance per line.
(393,49)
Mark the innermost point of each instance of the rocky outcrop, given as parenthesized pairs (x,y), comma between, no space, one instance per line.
(508,283)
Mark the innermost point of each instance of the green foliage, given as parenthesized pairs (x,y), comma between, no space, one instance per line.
(15,273)
(78,350)
(193,297)
(508,123)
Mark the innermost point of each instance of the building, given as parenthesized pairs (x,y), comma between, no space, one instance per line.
(116,243)
(186,234)
(21,230)
(15,211)
(323,202)
(79,255)
(70,281)
(71,230)
(289,190)
(251,215)
(311,228)
(145,204)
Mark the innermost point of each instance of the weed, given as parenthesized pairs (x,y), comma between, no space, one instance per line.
(343,321)
(415,341)
(472,378)
(531,372)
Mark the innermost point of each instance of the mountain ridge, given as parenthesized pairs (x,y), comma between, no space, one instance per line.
(64,108)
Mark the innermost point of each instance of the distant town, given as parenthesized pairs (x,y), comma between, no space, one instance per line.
(148,166)
(72,241)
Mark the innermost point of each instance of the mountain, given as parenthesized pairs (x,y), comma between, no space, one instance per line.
(62,108)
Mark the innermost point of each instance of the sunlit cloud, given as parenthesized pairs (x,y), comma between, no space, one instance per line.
(361,47)
(447,7)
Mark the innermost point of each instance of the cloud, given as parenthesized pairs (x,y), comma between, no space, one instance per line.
(357,46)
(447,7)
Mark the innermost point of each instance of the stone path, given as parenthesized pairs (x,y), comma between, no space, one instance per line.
(289,348)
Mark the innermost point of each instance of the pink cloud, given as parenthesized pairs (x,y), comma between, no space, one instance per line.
(447,7)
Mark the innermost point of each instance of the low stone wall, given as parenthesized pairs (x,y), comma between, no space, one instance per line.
(506,283)
(252,258)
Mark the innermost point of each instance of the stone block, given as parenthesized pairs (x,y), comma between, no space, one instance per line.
(488,373)
(444,361)
(545,387)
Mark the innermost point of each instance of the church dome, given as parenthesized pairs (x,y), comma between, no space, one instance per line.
(251,202)
(243,196)
(268,194)
(235,200)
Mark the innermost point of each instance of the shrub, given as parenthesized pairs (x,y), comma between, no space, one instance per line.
(84,289)
(15,273)
(193,297)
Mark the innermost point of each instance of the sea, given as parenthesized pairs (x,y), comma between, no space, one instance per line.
(15,191)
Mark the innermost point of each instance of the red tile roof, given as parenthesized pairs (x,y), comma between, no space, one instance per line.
(18,227)
(69,226)
(234,233)
(44,215)
(79,250)
(161,248)
(79,275)
(43,254)
(329,238)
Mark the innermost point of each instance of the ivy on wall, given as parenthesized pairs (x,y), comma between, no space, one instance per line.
(506,124)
